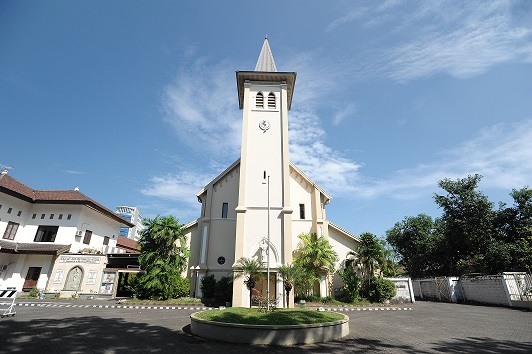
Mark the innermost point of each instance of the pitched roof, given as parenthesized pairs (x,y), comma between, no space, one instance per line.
(343,231)
(19,190)
(237,163)
(41,248)
(127,244)
(266,62)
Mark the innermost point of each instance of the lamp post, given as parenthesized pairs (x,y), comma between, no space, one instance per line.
(268,249)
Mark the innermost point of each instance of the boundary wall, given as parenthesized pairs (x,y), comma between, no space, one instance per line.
(513,289)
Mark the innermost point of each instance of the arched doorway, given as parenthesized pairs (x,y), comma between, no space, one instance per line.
(74,278)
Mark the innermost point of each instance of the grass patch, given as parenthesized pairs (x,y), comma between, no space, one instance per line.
(278,317)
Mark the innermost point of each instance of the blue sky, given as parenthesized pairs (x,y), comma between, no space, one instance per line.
(135,102)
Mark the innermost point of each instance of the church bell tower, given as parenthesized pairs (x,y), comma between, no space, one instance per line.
(264,213)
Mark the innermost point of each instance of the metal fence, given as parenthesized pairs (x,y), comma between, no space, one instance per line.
(519,286)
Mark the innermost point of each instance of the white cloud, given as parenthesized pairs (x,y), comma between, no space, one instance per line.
(347,111)
(327,167)
(201,108)
(180,187)
(501,153)
(460,38)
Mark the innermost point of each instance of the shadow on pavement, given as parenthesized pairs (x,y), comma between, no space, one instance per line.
(94,334)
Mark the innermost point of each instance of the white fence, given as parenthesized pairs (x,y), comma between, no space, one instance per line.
(404,291)
(508,289)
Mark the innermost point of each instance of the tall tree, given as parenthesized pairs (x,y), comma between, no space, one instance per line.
(514,226)
(369,254)
(468,224)
(163,257)
(417,240)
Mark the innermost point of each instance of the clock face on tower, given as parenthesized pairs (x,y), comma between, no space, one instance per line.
(264,125)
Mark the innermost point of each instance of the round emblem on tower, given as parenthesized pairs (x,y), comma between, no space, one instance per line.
(264,125)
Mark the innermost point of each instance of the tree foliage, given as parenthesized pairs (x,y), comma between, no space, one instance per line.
(163,257)
(314,257)
(315,254)
(251,270)
(470,236)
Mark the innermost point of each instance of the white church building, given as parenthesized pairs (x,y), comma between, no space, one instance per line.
(262,201)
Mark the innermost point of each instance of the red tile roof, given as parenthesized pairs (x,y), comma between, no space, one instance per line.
(19,190)
(127,244)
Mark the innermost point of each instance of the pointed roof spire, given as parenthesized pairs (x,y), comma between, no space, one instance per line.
(266,62)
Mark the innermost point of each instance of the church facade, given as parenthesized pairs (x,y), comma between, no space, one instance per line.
(262,202)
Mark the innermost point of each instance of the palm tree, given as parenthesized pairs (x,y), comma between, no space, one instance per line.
(163,256)
(251,269)
(315,255)
(368,254)
(288,272)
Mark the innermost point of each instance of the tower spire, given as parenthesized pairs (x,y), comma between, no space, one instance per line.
(266,62)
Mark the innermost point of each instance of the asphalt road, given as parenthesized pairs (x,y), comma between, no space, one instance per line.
(101,327)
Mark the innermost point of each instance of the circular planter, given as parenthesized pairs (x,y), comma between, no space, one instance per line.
(265,334)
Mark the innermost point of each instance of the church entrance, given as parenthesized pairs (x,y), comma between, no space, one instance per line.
(262,286)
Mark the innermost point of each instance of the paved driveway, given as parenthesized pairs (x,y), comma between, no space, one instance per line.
(79,327)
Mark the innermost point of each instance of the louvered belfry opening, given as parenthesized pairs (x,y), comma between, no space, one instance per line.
(271,100)
(259,102)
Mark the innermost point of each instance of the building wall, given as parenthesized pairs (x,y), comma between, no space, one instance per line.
(82,218)
(18,266)
(31,217)
(90,283)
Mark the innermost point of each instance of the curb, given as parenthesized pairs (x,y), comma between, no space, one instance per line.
(148,307)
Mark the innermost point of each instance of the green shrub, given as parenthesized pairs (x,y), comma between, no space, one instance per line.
(351,288)
(181,288)
(208,286)
(34,291)
(223,290)
(381,289)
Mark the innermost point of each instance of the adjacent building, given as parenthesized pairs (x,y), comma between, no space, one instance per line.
(56,240)
(259,205)
(132,215)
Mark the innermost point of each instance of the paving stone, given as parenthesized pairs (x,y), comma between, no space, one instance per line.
(423,327)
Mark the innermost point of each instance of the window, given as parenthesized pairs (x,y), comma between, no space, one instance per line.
(259,100)
(302,211)
(60,216)
(69,216)
(11,230)
(42,216)
(34,216)
(9,210)
(19,213)
(91,277)
(59,276)
(271,100)
(87,238)
(46,233)
(225,206)
(106,240)
(51,216)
